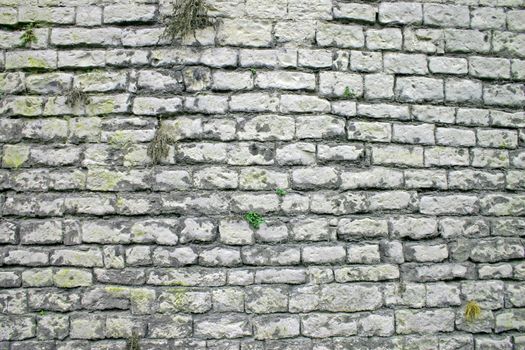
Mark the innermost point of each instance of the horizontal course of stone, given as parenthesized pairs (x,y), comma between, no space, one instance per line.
(396,130)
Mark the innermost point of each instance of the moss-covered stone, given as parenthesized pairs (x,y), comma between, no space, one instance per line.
(71,278)
(15,155)
(103,179)
(142,301)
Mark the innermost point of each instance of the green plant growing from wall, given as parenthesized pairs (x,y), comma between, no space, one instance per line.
(187,17)
(133,342)
(254,219)
(28,36)
(472,311)
(347,93)
(280,192)
(159,147)
(75,97)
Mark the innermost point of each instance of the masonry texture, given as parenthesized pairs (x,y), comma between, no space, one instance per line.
(396,130)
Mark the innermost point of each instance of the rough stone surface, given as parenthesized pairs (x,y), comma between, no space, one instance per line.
(337,174)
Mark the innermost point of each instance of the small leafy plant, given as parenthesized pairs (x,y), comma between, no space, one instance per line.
(75,97)
(187,17)
(472,311)
(28,36)
(347,93)
(254,219)
(253,71)
(133,342)
(280,192)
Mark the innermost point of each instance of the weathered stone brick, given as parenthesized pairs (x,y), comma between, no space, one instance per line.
(406,294)
(366,131)
(328,325)
(323,255)
(266,127)
(415,228)
(366,273)
(363,61)
(382,110)
(300,153)
(400,13)
(17,327)
(511,95)
(170,326)
(448,65)
(337,35)
(280,276)
(267,58)
(71,278)
(424,40)
(345,297)
(323,177)
(424,178)
(379,86)
(356,12)
(455,137)
(242,32)
(60,15)
(473,179)
(219,57)
(236,233)
(340,84)
(340,153)
(215,178)
(303,103)
(310,9)
(409,321)
(368,227)
(414,89)
(445,156)
(405,63)
(126,13)
(490,158)
(93,36)
(420,134)
(276,327)
(89,15)
(384,39)
(446,15)
(254,102)
(9,15)
(84,258)
(393,154)
(508,42)
(41,59)
(452,204)
(295,32)
(81,58)
(488,18)
(426,253)
(464,40)
(319,126)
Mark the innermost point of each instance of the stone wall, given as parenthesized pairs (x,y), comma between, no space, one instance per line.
(383,144)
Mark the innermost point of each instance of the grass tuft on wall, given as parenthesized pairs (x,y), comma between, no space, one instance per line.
(187,17)
(472,311)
